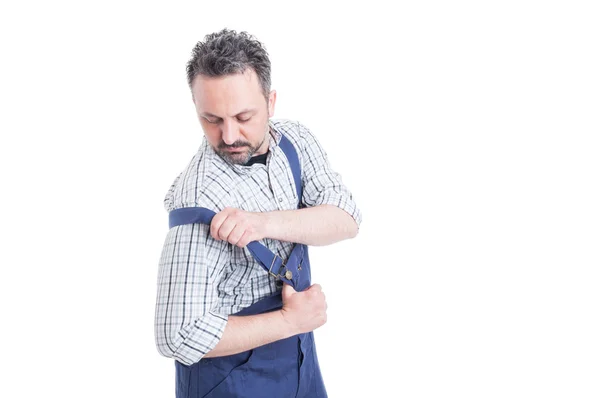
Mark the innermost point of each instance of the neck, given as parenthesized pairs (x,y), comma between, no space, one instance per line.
(264,145)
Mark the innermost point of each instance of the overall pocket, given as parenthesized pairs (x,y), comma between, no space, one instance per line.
(213,373)
(271,370)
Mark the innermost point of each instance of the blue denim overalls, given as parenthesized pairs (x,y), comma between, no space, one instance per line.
(282,369)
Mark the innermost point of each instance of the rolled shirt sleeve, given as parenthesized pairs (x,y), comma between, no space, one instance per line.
(321,184)
(187,324)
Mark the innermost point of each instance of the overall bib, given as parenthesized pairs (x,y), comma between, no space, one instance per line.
(282,369)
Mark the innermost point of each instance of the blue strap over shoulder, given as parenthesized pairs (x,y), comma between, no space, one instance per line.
(267,259)
(292,156)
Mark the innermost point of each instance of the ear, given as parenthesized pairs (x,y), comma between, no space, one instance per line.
(272,99)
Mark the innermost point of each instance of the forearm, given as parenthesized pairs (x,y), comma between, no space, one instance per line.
(316,226)
(244,333)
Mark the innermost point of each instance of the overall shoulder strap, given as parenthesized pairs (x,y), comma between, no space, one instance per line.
(292,156)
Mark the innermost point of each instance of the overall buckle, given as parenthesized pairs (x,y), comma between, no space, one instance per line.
(288,273)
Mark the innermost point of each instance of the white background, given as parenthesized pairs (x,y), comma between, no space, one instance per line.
(467,132)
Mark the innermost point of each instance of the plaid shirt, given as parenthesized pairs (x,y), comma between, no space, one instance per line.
(201,280)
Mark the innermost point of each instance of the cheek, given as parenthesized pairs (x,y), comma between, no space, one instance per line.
(260,125)
(254,131)
(212,133)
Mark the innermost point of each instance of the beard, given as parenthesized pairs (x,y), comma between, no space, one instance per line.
(239,152)
(241,155)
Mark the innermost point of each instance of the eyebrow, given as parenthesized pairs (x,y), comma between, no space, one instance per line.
(239,113)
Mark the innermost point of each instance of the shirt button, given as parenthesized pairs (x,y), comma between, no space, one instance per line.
(280,199)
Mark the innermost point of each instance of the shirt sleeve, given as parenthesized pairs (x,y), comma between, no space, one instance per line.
(169,197)
(321,184)
(187,325)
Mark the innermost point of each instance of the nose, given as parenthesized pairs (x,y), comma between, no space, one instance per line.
(230,132)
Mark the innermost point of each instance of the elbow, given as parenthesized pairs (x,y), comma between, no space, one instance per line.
(190,342)
(165,344)
(165,351)
(170,348)
(168,340)
(352,230)
(348,224)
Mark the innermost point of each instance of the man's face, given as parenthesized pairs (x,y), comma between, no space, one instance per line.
(234,114)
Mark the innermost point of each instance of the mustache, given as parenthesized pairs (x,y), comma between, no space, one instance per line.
(237,144)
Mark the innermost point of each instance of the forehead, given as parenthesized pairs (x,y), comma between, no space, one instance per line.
(225,94)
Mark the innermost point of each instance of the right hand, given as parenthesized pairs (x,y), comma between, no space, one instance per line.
(304,311)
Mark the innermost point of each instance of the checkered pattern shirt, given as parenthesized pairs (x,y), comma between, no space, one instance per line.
(201,281)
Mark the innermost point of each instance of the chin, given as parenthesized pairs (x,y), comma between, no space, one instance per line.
(241,158)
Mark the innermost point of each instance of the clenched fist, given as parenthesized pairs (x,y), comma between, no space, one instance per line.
(237,226)
(304,311)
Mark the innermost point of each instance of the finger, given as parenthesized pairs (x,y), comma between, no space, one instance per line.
(216,223)
(287,292)
(244,240)
(316,287)
(226,228)
(236,235)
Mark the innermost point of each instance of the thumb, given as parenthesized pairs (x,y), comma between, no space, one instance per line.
(287,291)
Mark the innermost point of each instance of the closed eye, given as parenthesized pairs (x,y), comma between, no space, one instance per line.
(213,121)
(217,120)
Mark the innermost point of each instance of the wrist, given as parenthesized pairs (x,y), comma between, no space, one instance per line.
(267,225)
(289,329)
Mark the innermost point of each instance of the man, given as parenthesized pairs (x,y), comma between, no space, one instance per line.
(235,307)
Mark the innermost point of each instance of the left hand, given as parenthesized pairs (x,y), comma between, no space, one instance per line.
(237,226)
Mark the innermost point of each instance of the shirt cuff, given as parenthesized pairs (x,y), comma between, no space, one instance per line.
(200,338)
(343,202)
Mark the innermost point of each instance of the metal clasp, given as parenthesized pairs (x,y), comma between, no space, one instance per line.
(276,276)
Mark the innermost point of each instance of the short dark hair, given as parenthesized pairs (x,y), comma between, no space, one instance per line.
(228,52)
